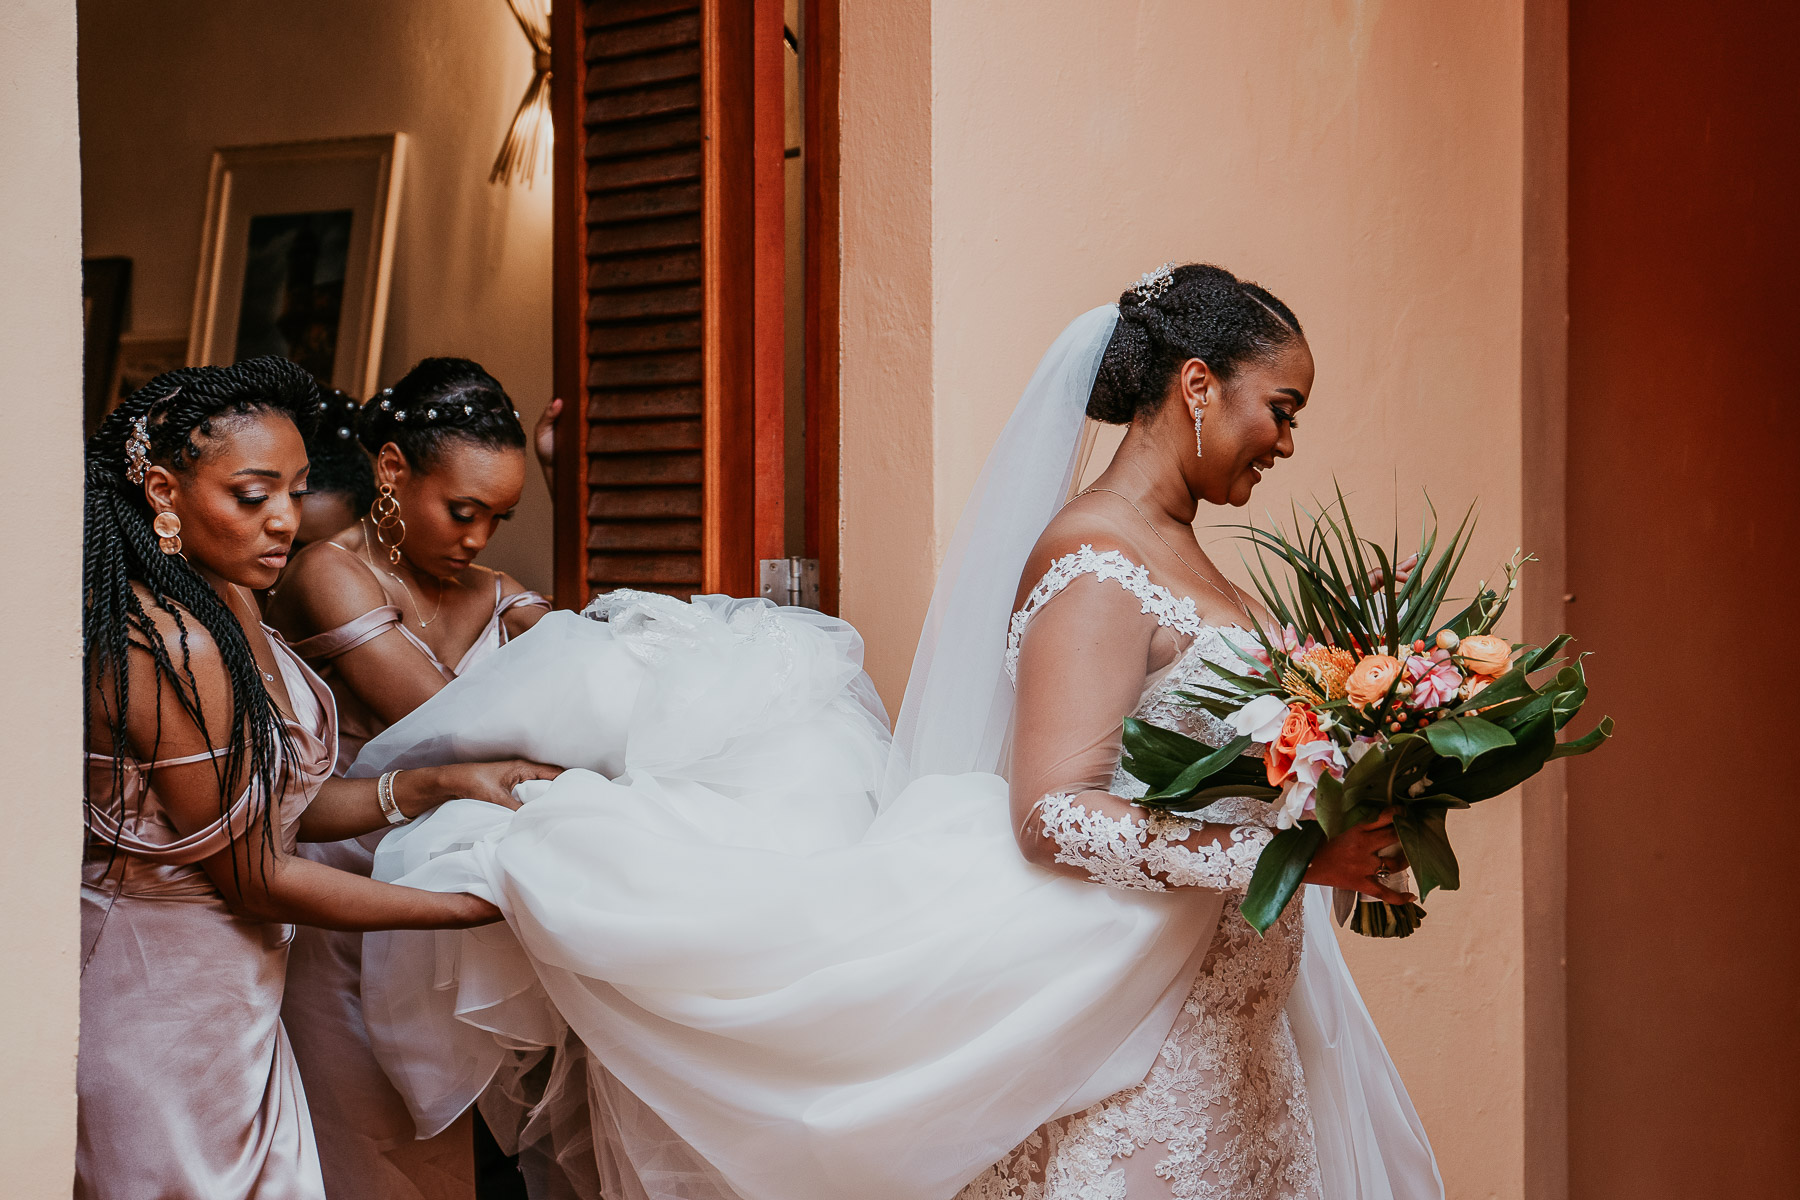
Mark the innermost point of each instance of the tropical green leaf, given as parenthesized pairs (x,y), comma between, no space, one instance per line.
(1427,847)
(1190,779)
(1542,657)
(1506,768)
(1329,805)
(1197,800)
(1279,871)
(1508,686)
(1466,738)
(1588,742)
(1157,755)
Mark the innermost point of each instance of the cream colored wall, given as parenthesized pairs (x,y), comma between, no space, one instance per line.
(40,485)
(1364,160)
(164,82)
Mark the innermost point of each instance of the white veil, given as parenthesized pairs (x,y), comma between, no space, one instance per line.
(958,708)
(958,699)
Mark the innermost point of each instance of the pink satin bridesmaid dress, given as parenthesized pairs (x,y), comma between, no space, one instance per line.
(366,1136)
(187,1083)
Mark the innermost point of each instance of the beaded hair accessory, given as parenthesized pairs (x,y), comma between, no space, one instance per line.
(432,413)
(137,450)
(1152,284)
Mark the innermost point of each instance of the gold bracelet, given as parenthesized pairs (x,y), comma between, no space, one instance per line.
(384,795)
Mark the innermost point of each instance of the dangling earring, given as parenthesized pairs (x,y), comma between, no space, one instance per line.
(167,528)
(390,530)
(1199,415)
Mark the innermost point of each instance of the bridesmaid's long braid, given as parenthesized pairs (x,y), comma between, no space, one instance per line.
(119,547)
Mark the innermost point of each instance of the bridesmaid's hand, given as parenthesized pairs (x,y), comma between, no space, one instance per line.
(1378,578)
(1351,859)
(470,911)
(493,782)
(543,440)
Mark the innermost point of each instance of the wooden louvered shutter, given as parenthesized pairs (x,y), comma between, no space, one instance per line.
(633,296)
(657,310)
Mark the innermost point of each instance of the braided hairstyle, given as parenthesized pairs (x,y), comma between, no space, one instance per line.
(338,462)
(119,549)
(439,401)
(1193,311)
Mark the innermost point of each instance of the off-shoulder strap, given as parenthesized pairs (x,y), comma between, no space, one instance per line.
(202,843)
(322,647)
(505,604)
(181,761)
(1175,612)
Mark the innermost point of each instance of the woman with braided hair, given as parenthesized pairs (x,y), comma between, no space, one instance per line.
(210,753)
(342,484)
(388,611)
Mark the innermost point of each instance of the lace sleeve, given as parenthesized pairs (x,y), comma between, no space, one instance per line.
(1084,658)
(1147,853)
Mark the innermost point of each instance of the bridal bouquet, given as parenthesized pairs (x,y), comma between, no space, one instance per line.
(1365,701)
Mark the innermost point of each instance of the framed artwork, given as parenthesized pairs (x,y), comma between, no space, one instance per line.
(105,300)
(142,357)
(295,255)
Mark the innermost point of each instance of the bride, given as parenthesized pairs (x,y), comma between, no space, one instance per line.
(779,957)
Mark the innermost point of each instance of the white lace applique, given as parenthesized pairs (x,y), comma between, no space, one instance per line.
(1223,1113)
(1129,852)
(1177,613)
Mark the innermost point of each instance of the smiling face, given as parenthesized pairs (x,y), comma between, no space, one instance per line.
(453,505)
(239,501)
(1249,420)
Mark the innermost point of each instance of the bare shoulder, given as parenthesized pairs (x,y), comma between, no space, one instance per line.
(509,586)
(175,665)
(1080,525)
(523,615)
(325,586)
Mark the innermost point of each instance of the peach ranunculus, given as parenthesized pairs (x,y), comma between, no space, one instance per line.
(1300,727)
(1485,654)
(1371,679)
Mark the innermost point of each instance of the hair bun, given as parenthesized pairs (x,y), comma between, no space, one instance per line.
(1177,313)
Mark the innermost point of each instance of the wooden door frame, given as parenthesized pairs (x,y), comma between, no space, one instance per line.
(819,83)
(568,282)
(728,288)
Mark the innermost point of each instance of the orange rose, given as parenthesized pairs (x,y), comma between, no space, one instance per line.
(1485,654)
(1301,727)
(1371,679)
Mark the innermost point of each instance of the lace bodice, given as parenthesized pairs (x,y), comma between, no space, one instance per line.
(1223,1114)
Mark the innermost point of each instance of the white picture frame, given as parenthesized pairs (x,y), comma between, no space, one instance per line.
(295,255)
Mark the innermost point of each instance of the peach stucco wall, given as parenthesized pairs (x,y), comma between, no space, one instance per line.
(40,543)
(1364,160)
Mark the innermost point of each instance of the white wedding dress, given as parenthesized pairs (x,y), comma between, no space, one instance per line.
(779,957)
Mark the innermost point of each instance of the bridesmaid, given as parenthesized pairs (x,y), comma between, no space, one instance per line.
(210,751)
(342,483)
(389,611)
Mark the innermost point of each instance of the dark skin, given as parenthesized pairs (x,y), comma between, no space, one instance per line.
(1144,504)
(323,514)
(451,507)
(239,507)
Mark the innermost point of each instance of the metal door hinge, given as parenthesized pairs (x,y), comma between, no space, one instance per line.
(792,582)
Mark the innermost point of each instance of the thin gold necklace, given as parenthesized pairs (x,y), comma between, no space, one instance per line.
(418,611)
(1234,596)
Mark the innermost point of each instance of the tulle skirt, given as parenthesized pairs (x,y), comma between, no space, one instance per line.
(764,980)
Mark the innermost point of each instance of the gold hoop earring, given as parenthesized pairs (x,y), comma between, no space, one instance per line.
(390,530)
(167,528)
